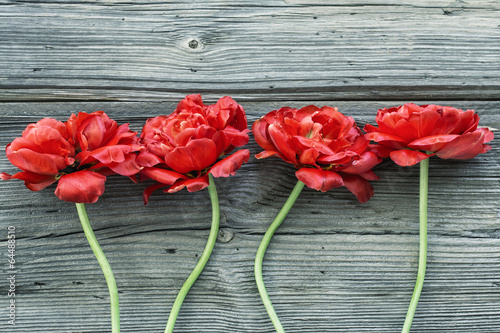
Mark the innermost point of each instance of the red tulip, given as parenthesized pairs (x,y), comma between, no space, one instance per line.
(195,140)
(412,133)
(77,154)
(325,146)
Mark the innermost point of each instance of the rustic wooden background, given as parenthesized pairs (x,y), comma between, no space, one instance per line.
(334,265)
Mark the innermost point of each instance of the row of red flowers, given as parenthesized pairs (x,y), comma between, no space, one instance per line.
(181,149)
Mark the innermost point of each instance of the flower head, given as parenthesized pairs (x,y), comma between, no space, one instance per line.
(412,133)
(325,146)
(78,154)
(195,140)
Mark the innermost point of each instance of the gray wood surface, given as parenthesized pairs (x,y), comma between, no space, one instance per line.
(334,265)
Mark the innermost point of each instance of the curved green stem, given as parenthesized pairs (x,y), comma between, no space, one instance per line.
(203,260)
(106,269)
(422,260)
(262,250)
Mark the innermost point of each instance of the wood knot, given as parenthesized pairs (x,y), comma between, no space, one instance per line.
(225,235)
(193,44)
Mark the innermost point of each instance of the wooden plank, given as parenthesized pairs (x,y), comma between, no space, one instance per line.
(318,50)
(334,265)
(317,282)
(445,4)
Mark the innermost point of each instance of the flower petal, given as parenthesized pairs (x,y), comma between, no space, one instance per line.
(29,160)
(380,150)
(222,110)
(6,176)
(309,156)
(466,121)
(406,157)
(463,147)
(230,164)
(360,144)
(432,143)
(425,121)
(358,186)
(190,103)
(33,181)
(488,135)
(405,130)
(110,154)
(282,144)
(127,167)
(486,148)
(166,177)
(43,139)
(338,158)
(236,137)
(149,190)
(367,161)
(319,179)
(390,140)
(369,175)
(192,185)
(80,187)
(93,132)
(147,159)
(370,128)
(305,143)
(259,129)
(195,156)
(266,153)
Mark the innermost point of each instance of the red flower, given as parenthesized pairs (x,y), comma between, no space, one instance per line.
(327,148)
(412,133)
(185,146)
(78,154)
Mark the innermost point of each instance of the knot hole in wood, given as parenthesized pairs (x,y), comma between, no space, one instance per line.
(225,235)
(194,44)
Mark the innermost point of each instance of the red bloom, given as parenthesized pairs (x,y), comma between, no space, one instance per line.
(78,154)
(327,148)
(412,133)
(185,146)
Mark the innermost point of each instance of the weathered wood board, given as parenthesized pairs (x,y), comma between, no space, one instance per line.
(334,265)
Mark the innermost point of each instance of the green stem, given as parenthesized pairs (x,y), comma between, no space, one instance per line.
(262,250)
(212,191)
(106,269)
(422,260)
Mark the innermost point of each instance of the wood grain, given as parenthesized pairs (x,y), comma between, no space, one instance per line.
(334,265)
(108,50)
